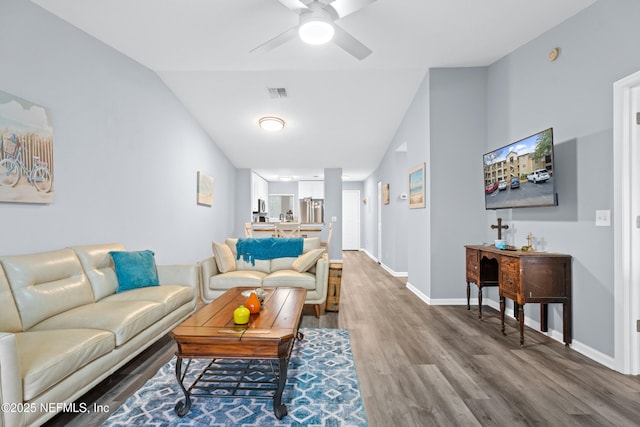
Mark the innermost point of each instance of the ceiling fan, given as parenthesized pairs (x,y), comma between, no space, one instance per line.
(317,25)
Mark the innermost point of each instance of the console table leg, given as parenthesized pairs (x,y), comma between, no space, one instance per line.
(181,409)
(479,302)
(468,295)
(502,314)
(544,316)
(279,409)
(566,323)
(521,321)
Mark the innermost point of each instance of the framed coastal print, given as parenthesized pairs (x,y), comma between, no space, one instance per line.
(416,187)
(205,189)
(26,151)
(385,194)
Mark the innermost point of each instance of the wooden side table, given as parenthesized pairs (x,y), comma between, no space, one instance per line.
(333,290)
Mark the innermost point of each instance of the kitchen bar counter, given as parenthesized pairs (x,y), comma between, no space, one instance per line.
(262,229)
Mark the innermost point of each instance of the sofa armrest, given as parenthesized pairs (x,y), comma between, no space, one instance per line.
(322,277)
(10,380)
(208,269)
(179,274)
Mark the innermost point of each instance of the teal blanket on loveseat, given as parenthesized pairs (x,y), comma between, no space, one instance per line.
(252,249)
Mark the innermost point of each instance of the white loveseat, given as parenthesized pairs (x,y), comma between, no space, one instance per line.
(306,271)
(64,328)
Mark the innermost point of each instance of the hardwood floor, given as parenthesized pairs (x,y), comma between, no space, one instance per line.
(422,365)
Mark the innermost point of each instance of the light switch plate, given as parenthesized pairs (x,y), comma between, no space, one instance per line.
(603,218)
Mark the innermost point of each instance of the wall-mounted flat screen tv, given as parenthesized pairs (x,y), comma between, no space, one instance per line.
(521,174)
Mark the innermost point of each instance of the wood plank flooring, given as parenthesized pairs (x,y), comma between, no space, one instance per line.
(422,365)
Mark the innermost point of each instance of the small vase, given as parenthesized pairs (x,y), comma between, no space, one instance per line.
(253,303)
(241,315)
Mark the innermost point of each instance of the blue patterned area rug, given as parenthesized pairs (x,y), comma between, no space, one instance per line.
(321,390)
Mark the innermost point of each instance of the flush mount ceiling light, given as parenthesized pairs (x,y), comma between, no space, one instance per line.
(316,27)
(271,124)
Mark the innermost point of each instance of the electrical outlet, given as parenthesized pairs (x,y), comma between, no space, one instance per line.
(334,218)
(603,218)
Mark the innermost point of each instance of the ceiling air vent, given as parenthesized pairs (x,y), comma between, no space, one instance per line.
(277,92)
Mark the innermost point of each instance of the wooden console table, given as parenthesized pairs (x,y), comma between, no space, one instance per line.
(524,277)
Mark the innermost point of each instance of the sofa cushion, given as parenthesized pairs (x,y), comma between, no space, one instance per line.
(308,260)
(135,269)
(170,296)
(47,357)
(98,266)
(46,284)
(233,279)
(285,263)
(310,243)
(9,318)
(290,278)
(124,318)
(263,265)
(225,260)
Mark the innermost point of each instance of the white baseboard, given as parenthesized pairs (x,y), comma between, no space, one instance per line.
(385,267)
(394,273)
(369,254)
(581,348)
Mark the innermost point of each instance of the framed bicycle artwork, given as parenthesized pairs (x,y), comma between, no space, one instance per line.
(26,151)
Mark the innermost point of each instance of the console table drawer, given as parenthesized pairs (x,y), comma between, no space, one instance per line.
(510,273)
(473,267)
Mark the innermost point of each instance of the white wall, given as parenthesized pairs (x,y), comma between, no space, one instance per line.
(126,152)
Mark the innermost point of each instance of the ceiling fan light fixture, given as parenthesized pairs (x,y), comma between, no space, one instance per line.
(271,124)
(315,29)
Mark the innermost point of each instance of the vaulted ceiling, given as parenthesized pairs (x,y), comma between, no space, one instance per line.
(339,111)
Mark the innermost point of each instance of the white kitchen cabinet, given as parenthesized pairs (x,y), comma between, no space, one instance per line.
(259,190)
(313,189)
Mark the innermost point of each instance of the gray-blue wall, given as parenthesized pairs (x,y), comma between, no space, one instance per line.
(528,93)
(458,114)
(126,152)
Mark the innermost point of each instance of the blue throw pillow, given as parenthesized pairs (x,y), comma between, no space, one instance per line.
(135,269)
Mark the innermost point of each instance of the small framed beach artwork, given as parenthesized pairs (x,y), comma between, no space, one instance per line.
(205,189)
(385,194)
(416,187)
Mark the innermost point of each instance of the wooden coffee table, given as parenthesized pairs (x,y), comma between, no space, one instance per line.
(255,355)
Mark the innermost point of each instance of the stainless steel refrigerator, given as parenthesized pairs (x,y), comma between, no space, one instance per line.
(311,211)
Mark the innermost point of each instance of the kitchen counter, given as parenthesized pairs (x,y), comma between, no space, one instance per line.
(261,229)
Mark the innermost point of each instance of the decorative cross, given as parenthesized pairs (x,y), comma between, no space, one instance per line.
(499,227)
(529,240)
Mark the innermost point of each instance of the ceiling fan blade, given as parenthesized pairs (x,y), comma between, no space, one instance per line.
(347,7)
(278,40)
(295,5)
(350,44)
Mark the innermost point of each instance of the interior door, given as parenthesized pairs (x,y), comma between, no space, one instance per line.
(350,220)
(626,180)
(379,221)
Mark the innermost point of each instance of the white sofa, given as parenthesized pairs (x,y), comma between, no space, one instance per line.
(268,273)
(63,327)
